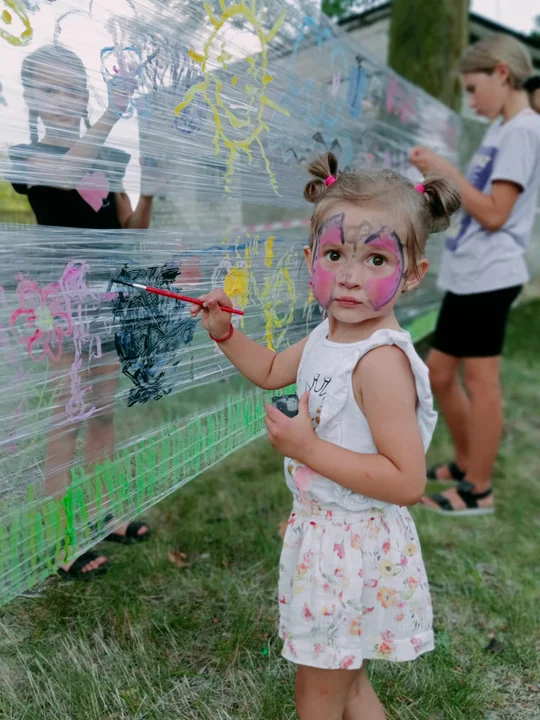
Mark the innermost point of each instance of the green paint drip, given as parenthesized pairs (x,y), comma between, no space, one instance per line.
(67,502)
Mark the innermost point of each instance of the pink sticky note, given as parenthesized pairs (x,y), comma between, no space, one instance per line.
(94,188)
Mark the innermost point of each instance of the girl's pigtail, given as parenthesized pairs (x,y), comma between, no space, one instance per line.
(325,169)
(443,200)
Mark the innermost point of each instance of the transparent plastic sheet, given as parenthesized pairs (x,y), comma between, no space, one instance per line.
(111,398)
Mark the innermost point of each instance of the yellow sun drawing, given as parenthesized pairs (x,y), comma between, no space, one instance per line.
(212,86)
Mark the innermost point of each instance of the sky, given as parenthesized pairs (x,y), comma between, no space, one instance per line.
(516,14)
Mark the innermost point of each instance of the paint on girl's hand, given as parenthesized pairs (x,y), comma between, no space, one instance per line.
(381,291)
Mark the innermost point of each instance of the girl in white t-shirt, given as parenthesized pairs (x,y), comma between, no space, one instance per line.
(352,581)
(483,266)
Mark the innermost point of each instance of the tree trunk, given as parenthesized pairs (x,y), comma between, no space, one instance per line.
(427,38)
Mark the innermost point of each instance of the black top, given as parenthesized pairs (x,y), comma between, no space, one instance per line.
(67,208)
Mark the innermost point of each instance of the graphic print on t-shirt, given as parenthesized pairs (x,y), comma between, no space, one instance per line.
(318,387)
(301,474)
(479,173)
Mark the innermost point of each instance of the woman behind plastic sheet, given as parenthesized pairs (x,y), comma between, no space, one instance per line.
(483,267)
(56,92)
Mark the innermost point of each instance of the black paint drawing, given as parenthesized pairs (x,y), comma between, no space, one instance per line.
(151,333)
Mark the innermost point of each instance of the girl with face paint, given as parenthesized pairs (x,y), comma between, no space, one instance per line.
(352,581)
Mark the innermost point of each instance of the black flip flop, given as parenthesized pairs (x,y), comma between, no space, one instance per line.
(456,473)
(132,534)
(470,498)
(75,572)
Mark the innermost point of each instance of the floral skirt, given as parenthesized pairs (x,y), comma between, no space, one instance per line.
(352,587)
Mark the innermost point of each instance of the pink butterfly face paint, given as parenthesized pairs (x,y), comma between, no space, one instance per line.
(381,290)
(356,264)
(323,280)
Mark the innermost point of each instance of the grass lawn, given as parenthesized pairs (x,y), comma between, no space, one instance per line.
(156,641)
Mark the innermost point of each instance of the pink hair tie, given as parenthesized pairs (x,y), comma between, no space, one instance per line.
(330,180)
(420,188)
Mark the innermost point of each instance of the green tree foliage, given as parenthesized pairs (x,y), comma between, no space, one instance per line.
(535,34)
(336,8)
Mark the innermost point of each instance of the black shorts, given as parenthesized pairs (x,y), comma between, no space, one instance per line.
(471,326)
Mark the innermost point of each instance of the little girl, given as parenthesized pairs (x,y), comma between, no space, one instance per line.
(352,581)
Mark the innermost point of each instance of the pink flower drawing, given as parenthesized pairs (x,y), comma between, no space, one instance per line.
(41,321)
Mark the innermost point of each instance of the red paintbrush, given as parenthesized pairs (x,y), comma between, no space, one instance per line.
(176,296)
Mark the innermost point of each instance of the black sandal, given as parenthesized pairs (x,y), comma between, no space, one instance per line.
(132,534)
(75,572)
(456,473)
(470,498)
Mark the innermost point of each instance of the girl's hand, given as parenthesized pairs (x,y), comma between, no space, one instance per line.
(292,437)
(217,322)
(429,162)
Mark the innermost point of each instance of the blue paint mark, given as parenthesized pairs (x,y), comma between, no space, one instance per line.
(357,90)
(318,112)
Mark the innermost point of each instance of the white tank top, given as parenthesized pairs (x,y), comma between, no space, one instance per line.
(326,370)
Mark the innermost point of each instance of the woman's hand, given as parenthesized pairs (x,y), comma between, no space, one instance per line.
(429,162)
(217,322)
(292,437)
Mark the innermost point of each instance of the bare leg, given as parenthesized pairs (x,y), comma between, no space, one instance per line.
(362,701)
(322,694)
(61,444)
(454,403)
(100,427)
(482,380)
(100,440)
(485,428)
(62,437)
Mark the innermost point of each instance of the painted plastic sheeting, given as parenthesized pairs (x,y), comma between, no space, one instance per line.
(112,398)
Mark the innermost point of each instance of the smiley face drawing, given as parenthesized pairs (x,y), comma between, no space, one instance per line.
(236,92)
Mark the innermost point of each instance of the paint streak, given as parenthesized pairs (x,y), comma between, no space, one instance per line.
(236,286)
(6,17)
(279,288)
(80,300)
(252,124)
(269,251)
(381,291)
(152,332)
